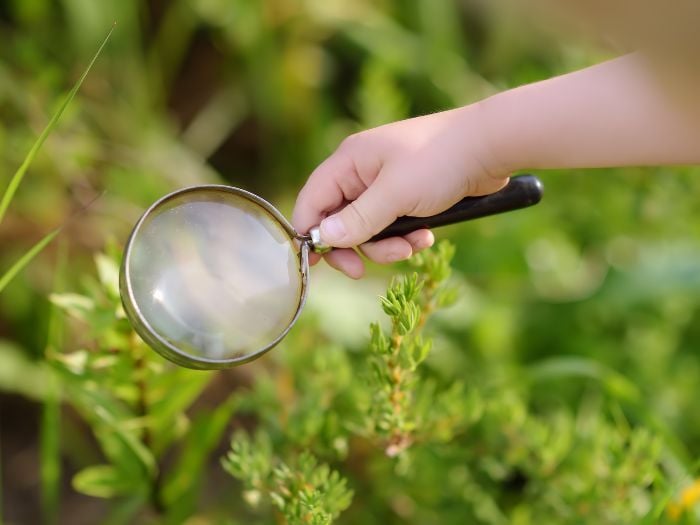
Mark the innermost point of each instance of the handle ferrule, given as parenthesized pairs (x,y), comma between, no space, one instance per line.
(316,243)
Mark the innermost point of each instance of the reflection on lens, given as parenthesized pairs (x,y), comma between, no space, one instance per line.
(214,274)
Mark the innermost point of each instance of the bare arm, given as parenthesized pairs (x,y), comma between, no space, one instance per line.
(619,113)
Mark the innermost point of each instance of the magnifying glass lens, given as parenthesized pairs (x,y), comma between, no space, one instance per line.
(214,274)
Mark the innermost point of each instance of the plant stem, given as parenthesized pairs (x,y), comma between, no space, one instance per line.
(399,440)
(142,411)
(428,303)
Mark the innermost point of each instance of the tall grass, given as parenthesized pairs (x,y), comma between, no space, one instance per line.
(50,469)
(18,176)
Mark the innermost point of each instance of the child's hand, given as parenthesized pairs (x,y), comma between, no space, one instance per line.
(417,167)
(618,113)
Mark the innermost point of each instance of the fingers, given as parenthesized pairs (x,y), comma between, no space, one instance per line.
(321,194)
(396,249)
(350,175)
(314,258)
(342,177)
(367,215)
(385,251)
(347,261)
(388,251)
(420,240)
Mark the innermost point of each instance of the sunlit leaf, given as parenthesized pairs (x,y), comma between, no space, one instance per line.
(19,374)
(108,272)
(74,304)
(104,481)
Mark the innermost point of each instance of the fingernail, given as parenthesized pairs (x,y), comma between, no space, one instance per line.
(332,229)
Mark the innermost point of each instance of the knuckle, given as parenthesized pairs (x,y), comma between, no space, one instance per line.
(351,183)
(410,202)
(350,142)
(468,186)
(360,218)
(305,200)
(316,175)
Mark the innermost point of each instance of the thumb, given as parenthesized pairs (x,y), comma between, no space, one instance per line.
(366,216)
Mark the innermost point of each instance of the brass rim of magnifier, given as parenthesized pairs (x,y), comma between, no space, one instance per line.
(160,344)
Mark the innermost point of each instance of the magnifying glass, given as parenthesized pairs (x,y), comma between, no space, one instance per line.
(214,276)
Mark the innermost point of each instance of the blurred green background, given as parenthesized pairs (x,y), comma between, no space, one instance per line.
(604,273)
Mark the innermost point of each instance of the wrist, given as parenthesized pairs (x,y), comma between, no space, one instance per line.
(499,131)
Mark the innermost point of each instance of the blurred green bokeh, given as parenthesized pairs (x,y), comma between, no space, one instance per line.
(255,93)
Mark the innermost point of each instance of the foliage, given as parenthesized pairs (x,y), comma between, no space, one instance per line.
(560,387)
(466,453)
(381,421)
(304,492)
(135,404)
(16,179)
(50,468)
(393,414)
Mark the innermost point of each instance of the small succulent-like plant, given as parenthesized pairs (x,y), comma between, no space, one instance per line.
(395,356)
(323,423)
(303,491)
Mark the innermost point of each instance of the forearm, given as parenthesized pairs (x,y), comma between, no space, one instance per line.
(614,114)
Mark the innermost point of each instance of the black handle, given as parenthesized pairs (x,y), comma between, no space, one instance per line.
(521,192)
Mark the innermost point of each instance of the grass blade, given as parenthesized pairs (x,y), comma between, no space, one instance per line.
(50,442)
(181,489)
(26,259)
(39,246)
(50,429)
(16,179)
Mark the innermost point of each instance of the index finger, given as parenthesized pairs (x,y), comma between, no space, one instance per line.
(340,179)
(320,195)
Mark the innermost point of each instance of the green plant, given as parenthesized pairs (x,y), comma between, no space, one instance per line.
(566,374)
(383,422)
(50,467)
(303,491)
(400,434)
(393,414)
(18,176)
(135,404)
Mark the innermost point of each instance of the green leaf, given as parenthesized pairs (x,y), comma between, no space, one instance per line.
(420,351)
(250,459)
(182,484)
(19,374)
(16,179)
(23,261)
(308,492)
(105,481)
(389,305)
(170,395)
(73,304)
(108,272)
(408,319)
(110,423)
(378,341)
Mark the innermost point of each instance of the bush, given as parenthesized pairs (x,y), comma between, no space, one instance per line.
(321,423)
(560,387)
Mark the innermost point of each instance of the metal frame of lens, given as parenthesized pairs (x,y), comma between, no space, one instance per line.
(167,349)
